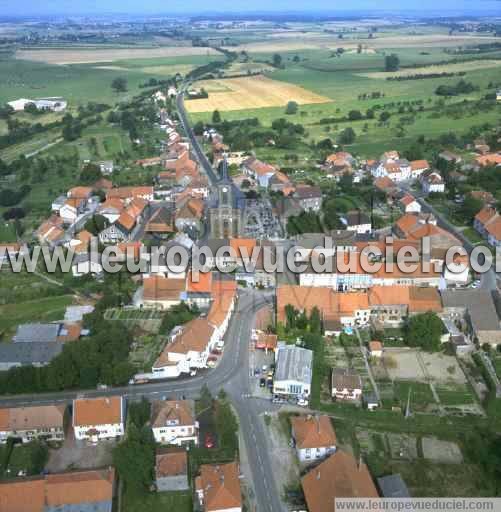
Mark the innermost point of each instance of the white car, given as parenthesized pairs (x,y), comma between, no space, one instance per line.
(193,373)
(302,403)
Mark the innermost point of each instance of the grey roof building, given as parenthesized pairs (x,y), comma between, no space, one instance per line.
(36,353)
(293,370)
(41,333)
(479,310)
(392,486)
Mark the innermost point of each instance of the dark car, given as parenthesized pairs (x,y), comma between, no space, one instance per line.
(262,382)
(209,441)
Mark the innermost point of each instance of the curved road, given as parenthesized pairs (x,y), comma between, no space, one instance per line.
(232,375)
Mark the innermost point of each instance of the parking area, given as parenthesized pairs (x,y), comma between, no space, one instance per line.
(261,365)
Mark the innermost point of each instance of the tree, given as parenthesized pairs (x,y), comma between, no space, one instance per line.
(277,60)
(227,425)
(384,116)
(470,207)
(392,62)
(424,330)
(90,174)
(205,398)
(347,136)
(216,117)
(291,108)
(134,459)
(290,315)
(139,412)
(355,115)
(315,322)
(31,108)
(119,84)
(96,224)
(198,128)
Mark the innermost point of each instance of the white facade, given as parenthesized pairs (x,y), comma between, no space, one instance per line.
(413,207)
(346,394)
(97,432)
(86,266)
(433,184)
(175,434)
(292,388)
(68,213)
(312,454)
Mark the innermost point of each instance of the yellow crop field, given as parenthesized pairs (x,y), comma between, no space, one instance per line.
(250,92)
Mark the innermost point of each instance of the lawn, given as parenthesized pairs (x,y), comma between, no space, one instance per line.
(46,309)
(420,394)
(425,479)
(7,232)
(26,459)
(458,395)
(158,502)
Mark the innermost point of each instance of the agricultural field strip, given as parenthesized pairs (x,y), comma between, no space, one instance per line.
(251,92)
(439,68)
(62,57)
(396,41)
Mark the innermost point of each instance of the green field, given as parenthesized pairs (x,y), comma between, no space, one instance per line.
(158,502)
(458,395)
(81,83)
(46,309)
(342,79)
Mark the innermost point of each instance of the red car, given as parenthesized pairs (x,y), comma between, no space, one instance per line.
(209,441)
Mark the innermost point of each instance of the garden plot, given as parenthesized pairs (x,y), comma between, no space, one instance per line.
(145,350)
(148,320)
(402,446)
(441,451)
(335,356)
(442,368)
(372,442)
(403,365)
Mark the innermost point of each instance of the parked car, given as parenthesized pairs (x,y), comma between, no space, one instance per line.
(302,402)
(193,373)
(209,441)
(262,383)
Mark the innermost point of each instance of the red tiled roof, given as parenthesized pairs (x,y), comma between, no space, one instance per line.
(97,411)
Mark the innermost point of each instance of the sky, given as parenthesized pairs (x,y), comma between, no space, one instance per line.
(78,7)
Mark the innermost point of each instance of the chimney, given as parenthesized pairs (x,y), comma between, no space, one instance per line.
(318,474)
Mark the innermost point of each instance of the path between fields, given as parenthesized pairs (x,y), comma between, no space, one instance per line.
(44,148)
(368,366)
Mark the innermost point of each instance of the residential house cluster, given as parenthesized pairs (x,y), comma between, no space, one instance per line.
(487,223)
(190,346)
(397,169)
(330,472)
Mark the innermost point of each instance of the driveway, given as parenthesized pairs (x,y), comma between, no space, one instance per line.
(79,455)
